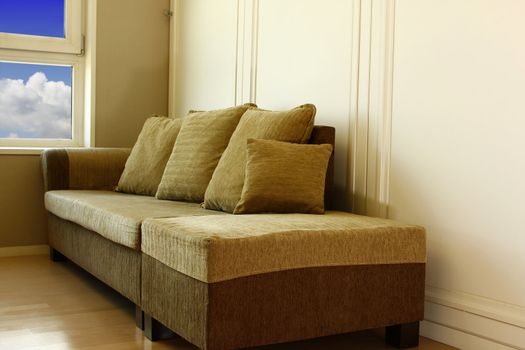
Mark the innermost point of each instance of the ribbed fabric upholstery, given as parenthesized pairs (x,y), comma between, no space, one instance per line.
(83,168)
(113,264)
(197,150)
(282,306)
(145,165)
(295,125)
(223,247)
(116,216)
(282,177)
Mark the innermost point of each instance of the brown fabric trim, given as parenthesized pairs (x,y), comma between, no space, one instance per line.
(112,263)
(322,135)
(82,168)
(282,306)
(96,168)
(55,169)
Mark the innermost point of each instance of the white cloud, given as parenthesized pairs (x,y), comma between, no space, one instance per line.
(37,109)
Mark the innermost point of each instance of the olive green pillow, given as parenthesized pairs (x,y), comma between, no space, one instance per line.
(197,150)
(146,162)
(295,125)
(284,178)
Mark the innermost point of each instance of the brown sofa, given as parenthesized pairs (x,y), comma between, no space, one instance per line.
(226,281)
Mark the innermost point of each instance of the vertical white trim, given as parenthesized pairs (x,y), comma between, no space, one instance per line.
(371,121)
(246,56)
(362,111)
(242,45)
(239,52)
(173,54)
(385,130)
(380,110)
(73,31)
(254,51)
(90,73)
(354,99)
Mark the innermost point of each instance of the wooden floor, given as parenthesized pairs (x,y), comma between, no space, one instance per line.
(46,305)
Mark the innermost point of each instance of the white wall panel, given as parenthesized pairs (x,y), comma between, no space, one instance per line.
(205,54)
(304,54)
(457,163)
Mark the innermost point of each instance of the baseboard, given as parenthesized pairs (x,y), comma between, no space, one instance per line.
(24,250)
(468,321)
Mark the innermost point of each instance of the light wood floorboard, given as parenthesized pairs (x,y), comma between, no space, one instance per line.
(58,306)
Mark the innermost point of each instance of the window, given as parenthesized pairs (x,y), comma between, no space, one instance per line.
(41,73)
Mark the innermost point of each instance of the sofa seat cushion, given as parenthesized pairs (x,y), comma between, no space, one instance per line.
(116,216)
(218,248)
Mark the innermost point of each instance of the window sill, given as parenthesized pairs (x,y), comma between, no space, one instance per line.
(21,150)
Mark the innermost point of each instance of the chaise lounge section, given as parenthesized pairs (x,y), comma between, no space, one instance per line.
(227,282)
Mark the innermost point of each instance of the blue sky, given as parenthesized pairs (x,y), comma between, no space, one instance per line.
(33,17)
(35,99)
(23,71)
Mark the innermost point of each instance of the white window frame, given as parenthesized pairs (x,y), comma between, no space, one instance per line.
(72,43)
(68,51)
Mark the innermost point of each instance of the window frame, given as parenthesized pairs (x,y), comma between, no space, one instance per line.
(77,100)
(68,51)
(71,43)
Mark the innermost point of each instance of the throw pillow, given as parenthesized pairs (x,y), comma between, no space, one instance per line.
(295,125)
(197,150)
(148,157)
(284,178)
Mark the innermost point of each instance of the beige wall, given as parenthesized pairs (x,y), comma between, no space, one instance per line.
(21,208)
(132,68)
(131,83)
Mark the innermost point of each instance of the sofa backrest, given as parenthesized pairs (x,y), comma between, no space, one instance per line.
(320,135)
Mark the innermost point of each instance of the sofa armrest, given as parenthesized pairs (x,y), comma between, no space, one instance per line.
(83,168)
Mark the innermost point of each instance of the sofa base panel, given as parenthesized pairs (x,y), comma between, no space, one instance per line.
(112,263)
(282,306)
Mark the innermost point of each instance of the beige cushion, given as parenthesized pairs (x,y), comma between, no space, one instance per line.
(145,165)
(116,216)
(224,247)
(284,177)
(224,190)
(197,150)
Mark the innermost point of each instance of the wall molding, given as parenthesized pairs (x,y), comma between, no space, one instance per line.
(24,250)
(371,119)
(246,55)
(469,321)
(477,305)
(175,8)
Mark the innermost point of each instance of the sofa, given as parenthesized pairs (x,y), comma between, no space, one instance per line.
(225,281)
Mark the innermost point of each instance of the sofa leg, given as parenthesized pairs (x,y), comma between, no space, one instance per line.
(403,335)
(55,255)
(139,317)
(154,330)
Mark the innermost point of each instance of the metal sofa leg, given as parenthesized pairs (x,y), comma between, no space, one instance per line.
(403,335)
(55,255)
(154,330)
